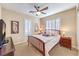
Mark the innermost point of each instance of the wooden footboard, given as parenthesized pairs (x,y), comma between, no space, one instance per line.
(37,43)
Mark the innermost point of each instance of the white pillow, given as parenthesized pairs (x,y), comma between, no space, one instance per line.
(54,32)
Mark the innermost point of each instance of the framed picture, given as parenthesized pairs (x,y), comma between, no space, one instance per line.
(14,27)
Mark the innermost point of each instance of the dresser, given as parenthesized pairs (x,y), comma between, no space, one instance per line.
(65,42)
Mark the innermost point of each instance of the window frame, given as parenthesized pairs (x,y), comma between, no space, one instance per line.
(55,24)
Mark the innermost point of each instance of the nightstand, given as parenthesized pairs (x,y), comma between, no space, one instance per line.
(65,42)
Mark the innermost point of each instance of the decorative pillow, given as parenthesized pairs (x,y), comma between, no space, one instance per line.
(45,34)
(49,33)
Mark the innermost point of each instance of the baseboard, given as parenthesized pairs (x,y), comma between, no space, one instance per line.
(75,48)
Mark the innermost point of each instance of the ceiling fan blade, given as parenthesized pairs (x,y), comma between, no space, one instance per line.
(44,9)
(32,11)
(36,8)
(43,13)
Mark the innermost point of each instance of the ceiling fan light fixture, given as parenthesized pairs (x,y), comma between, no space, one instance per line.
(38,13)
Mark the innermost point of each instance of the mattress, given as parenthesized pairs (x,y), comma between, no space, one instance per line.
(46,39)
(50,44)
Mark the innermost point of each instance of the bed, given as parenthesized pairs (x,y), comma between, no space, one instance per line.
(43,43)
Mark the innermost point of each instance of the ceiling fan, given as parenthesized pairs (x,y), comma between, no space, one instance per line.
(38,10)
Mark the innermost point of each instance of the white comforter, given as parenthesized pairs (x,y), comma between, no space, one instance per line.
(49,41)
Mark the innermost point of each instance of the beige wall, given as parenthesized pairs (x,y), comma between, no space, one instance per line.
(8,16)
(68,23)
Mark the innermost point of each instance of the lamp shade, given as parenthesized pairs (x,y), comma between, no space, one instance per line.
(63,33)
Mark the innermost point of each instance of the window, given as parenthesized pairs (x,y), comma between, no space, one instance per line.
(57,25)
(28,26)
(53,24)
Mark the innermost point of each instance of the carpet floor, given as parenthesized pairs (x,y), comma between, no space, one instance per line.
(24,50)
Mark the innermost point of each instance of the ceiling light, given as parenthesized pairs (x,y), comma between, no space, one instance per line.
(38,13)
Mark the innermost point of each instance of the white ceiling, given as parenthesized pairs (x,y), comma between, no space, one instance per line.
(26,7)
